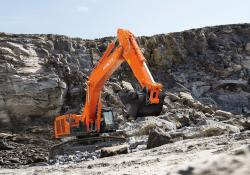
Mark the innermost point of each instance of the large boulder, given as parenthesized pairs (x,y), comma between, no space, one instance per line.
(158,137)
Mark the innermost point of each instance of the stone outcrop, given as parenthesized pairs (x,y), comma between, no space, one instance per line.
(42,75)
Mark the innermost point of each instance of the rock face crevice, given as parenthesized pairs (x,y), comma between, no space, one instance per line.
(42,74)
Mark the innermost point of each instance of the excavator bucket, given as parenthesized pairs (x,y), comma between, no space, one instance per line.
(137,104)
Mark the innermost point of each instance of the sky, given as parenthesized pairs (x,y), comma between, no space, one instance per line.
(91,19)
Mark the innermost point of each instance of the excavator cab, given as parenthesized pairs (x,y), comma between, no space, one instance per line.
(107,123)
(71,124)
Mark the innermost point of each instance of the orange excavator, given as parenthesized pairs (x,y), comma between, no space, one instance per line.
(95,119)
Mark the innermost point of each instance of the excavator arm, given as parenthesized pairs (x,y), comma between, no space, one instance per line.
(134,57)
(90,121)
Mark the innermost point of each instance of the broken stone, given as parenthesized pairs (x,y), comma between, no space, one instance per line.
(127,86)
(120,118)
(197,116)
(5,146)
(62,85)
(114,150)
(213,131)
(158,137)
(204,128)
(164,108)
(224,114)
(218,127)
(187,98)
(208,115)
(169,104)
(145,125)
(207,109)
(247,48)
(245,123)
(183,119)
(6,136)
(21,139)
(137,143)
(197,105)
(14,160)
(145,129)
(116,87)
(173,97)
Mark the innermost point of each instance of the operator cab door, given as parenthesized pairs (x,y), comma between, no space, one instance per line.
(108,123)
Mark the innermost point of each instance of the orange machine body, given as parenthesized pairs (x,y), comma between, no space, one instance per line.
(90,120)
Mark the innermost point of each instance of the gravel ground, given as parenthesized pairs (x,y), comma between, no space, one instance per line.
(226,154)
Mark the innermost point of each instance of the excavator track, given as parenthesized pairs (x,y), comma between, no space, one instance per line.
(89,144)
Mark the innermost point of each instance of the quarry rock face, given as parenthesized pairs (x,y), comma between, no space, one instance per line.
(37,74)
(205,73)
(211,62)
(42,74)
